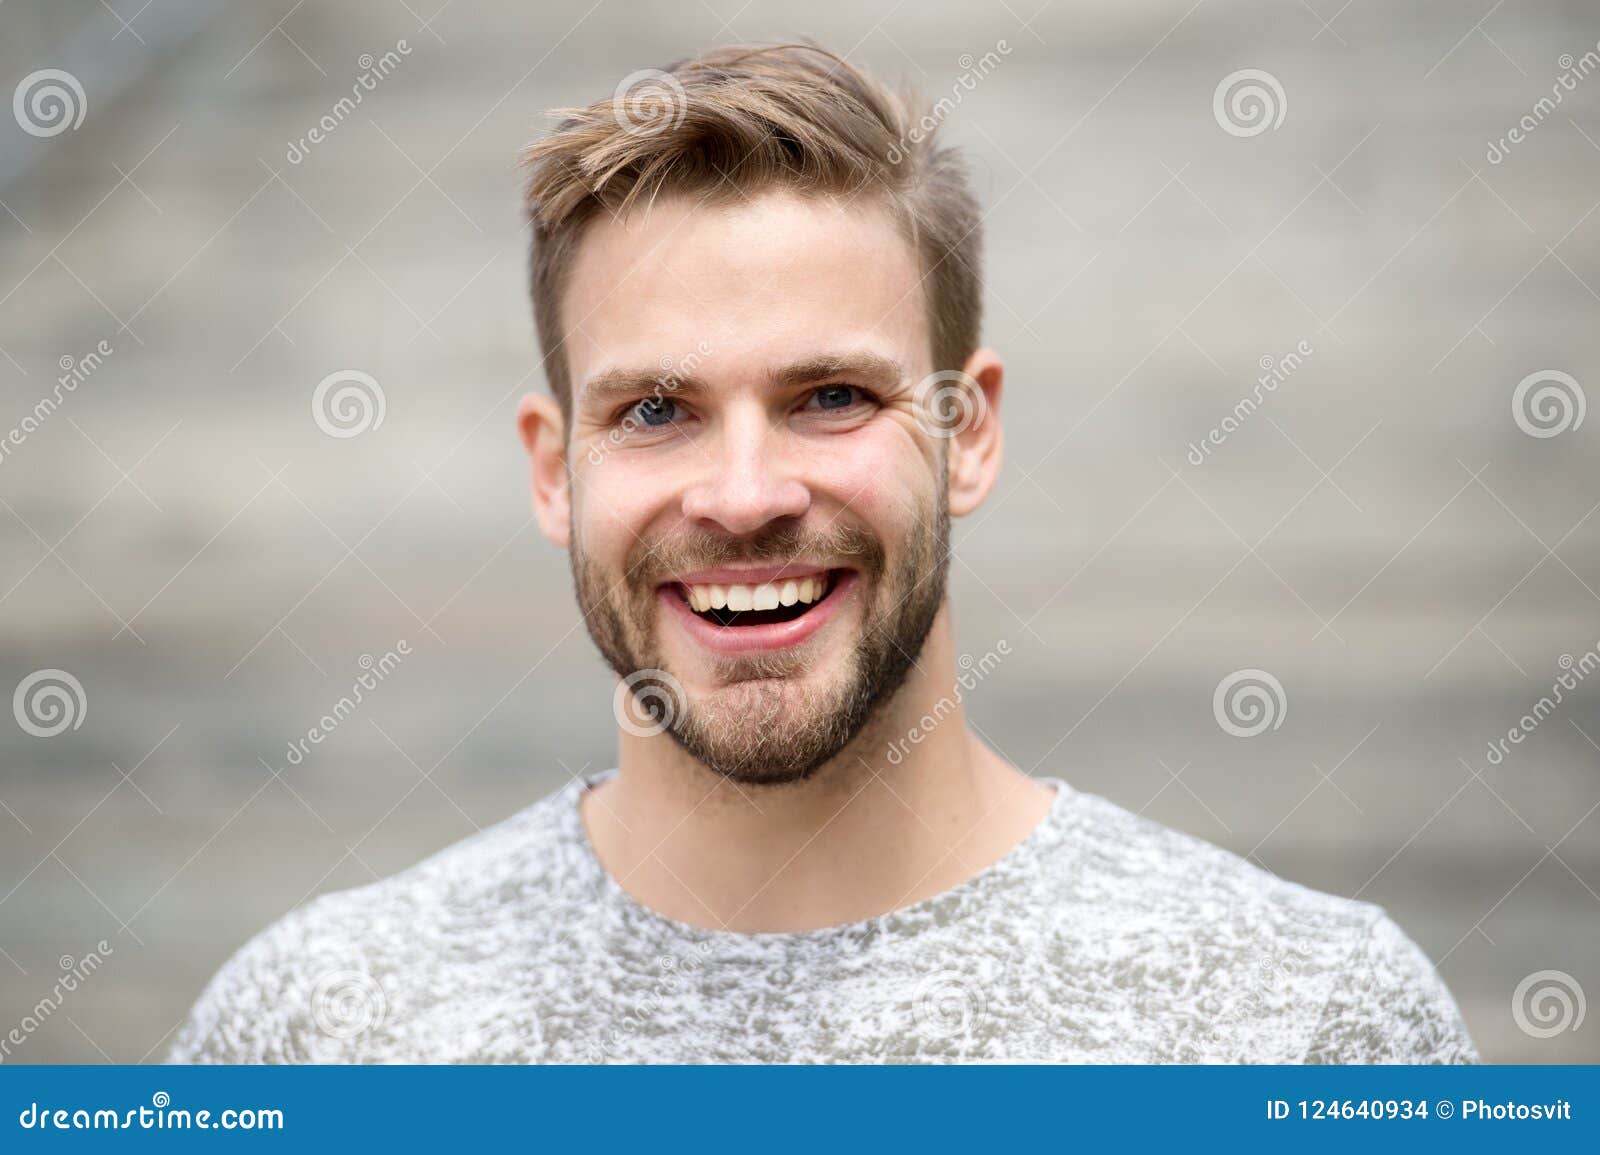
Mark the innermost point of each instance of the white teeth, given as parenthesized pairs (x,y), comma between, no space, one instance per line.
(767,596)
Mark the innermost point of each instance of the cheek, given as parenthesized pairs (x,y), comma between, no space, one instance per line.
(882,479)
(614,503)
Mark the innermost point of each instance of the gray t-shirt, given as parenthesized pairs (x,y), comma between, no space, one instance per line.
(1101,937)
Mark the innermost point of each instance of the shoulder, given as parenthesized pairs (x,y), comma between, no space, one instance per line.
(1241,964)
(1156,875)
(324,983)
(1390,1006)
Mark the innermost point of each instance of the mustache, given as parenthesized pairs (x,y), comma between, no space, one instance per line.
(650,564)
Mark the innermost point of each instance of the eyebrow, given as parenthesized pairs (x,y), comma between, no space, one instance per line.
(617,385)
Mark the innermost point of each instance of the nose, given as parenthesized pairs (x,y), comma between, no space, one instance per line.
(748,481)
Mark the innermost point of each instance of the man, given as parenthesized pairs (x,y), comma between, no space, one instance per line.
(756,282)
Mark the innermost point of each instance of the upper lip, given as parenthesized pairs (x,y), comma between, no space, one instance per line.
(751,575)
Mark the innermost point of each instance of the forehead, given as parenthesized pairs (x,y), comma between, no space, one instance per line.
(749,284)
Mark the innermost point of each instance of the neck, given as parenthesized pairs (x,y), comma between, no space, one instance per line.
(906,811)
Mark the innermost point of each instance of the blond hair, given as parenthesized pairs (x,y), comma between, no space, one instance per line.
(736,120)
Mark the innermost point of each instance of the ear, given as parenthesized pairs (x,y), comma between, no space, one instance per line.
(977,442)
(545,437)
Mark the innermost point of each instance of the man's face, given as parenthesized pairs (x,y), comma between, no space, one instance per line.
(759,513)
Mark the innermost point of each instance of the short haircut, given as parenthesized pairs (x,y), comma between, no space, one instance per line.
(737,120)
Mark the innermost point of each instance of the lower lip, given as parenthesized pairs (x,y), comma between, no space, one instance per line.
(749,639)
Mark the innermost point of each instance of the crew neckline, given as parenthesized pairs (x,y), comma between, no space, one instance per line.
(1007,870)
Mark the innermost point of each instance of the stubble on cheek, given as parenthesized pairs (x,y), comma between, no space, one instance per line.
(771,719)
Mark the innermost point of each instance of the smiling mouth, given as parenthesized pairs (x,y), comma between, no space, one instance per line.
(735,606)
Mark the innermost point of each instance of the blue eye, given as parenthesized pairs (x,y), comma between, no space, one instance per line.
(834,397)
(655,411)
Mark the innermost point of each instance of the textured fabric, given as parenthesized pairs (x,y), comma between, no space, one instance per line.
(1102,937)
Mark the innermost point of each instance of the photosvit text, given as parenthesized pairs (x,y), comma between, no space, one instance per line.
(1278,1109)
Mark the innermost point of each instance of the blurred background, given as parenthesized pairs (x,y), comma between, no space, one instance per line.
(200,552)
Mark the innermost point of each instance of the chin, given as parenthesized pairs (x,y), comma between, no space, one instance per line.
(767,730)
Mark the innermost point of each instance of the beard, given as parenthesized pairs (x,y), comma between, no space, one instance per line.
(766,724)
